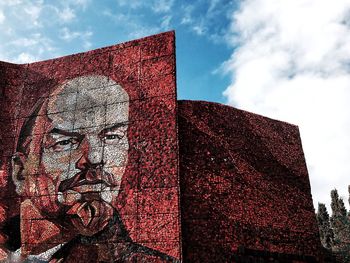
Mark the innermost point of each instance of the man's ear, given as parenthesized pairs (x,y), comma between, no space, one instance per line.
(18,161)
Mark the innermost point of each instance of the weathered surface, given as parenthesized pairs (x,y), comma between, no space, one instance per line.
(89,156)
(244,184)
(90,159)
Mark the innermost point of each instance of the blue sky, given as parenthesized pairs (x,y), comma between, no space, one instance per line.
(45,29)
(288,60)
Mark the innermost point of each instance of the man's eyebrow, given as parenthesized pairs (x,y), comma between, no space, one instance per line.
(115,126)
(66,133)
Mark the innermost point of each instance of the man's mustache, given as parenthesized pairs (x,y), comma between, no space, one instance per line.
(90,176)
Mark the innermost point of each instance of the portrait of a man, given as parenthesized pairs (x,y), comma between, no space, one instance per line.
(70,158)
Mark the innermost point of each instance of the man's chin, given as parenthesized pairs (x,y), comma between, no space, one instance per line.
(90,217)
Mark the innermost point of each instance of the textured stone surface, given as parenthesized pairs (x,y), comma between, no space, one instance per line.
(244,184)
(94,141)
(111,115)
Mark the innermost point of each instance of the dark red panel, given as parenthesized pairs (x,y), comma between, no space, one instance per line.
(90,162)
(244,187)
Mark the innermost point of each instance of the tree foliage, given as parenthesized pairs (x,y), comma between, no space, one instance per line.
(326,232)
(335,230)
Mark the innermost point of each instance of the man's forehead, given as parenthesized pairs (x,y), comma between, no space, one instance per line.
(89,82)
(89,118)
(89,101)
(86,92)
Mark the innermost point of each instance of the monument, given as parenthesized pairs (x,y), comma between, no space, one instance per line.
(101,163)
(90,156)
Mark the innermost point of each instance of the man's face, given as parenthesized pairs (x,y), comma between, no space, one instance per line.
(84,152)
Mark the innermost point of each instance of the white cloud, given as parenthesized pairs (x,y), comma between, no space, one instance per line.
(142,31)
(80,3)
(67,35)
(196,24)
(187,15)
(213,5)
(27,49)
(33,13)
(10,2)
(207,18)
(293,63)
(136,27)
(156,6)
(67,14)
(24,42)
(165,22)
(199,29)
(134,4)
(25,57)
(2,17)
(25,12)
(32,28)
(162,6)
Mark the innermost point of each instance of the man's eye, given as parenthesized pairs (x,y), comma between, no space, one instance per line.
(112,137)
(65,142)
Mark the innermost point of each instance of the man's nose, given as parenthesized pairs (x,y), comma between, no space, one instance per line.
(92,152)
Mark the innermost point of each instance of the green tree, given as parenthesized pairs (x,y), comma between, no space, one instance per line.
(340,224)
(326,232)
(349,200)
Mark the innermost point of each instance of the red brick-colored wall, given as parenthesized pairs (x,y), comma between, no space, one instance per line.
(95,154)
(244,187)
(129,87)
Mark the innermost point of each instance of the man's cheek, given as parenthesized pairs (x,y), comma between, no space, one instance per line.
(115,175)
(115,155)
(42,192)
(57,162)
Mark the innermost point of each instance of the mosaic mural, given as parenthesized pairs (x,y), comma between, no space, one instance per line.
(94,149)
(89,157)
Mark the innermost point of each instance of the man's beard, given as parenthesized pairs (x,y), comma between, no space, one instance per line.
(84,207)
(90,217)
